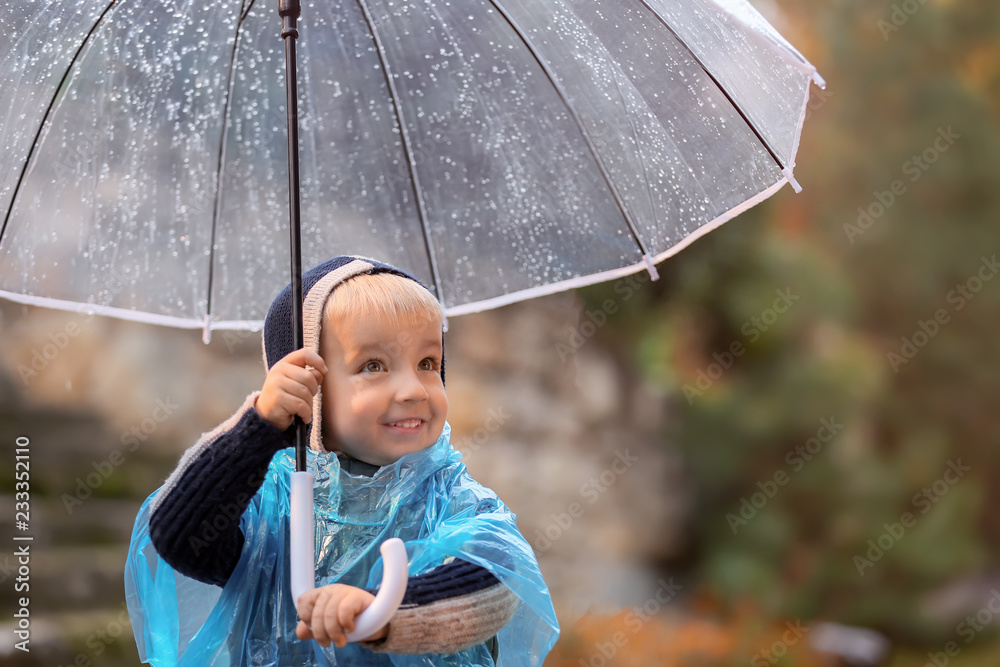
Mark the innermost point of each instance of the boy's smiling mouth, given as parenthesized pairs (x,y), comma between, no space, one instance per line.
(406,425)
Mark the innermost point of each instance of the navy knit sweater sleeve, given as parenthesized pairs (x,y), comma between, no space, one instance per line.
(195,523)
(194,526)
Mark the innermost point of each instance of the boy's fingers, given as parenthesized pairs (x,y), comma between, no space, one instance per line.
(340,638)
(297,399)
(329,612)
(297,406)
(313,359)
(331,623)
(306,603)
(320,623)
(305,411)
(303,357)
(349,609)
(304,378)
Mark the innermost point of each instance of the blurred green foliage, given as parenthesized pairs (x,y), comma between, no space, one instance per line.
(861,286)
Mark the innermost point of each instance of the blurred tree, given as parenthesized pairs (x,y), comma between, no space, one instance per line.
(829,358)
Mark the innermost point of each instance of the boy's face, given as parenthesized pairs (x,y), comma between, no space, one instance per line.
(382,394)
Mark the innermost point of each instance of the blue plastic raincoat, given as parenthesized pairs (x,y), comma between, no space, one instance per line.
(426,498)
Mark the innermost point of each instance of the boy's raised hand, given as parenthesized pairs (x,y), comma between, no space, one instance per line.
(327,613)
(289,388)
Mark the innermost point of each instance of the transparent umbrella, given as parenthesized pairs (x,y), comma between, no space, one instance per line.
(497,150)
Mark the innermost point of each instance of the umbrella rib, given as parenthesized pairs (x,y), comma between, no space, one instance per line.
(217,209)
(647,258)
(410,163)
(722,89)
(638,149)
(48,111)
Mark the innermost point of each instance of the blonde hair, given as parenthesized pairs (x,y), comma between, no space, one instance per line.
(382,295)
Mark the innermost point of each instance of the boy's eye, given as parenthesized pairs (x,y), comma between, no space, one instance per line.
(429,364)
(373,366)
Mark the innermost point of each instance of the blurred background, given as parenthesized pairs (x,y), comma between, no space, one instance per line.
(784,452)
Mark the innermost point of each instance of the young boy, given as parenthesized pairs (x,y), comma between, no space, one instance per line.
(370,383)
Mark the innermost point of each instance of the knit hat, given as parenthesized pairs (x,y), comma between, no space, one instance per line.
(318,284)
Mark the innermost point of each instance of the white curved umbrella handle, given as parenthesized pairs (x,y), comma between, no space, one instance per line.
(394,563)
(390,593)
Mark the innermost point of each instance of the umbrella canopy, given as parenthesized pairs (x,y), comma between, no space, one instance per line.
(497,150)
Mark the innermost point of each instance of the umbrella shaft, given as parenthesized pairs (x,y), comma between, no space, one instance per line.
(289,10)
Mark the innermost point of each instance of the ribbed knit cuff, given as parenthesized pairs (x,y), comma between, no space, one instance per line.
(449,625)
(449,608)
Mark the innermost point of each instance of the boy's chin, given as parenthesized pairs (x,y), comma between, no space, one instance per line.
(377,458)
(388,459)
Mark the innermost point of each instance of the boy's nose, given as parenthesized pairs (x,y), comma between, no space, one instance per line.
(410,388)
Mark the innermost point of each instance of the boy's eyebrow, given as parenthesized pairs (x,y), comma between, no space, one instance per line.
(383,347)
(367,348)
